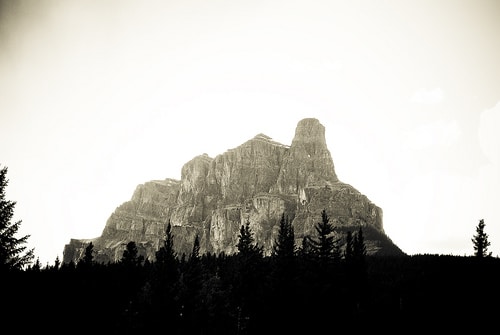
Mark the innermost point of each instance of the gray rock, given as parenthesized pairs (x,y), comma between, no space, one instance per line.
(257,181)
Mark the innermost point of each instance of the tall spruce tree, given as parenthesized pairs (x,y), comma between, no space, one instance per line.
(305,250)
(326,245)
(480,241)
(166,254)
(248,272)
(192,304)
(359,247)
(14,254)
(246,242)
(164,283)
(130,256)
(88,257)
(284,252)
(283,278)
(348,251)
(195,253)
(284,245)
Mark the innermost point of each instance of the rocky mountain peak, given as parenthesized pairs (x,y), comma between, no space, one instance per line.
(309,162)
(258,181)
(309,131)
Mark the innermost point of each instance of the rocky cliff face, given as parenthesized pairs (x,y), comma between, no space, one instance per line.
(256,181)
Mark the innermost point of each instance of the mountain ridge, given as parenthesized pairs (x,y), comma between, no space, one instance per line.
(257,181)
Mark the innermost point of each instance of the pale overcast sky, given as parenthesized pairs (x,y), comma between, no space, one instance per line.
(97,97)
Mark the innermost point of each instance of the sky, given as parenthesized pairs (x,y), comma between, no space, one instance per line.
(97,97)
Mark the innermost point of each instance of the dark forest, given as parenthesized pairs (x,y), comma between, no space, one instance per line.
(327,284)
(308,289)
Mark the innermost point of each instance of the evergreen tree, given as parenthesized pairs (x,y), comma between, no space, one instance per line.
(13,252)
(166,255)
(305,249)
(283,278)
(359,247)
(165,281)
(284,245)
(348,252)
(326,246)
(37,266)
(248,274)
(88,257)
(130,255)
(356,270)
(57,263)
(480,241)
(191,304)
(195,254)
(284,252)
(246,246)
(167,263)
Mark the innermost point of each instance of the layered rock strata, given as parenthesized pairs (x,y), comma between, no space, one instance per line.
(257,181)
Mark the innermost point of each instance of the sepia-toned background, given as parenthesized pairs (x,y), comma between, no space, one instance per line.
(98,97)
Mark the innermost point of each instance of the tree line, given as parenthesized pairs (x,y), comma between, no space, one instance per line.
(325,281)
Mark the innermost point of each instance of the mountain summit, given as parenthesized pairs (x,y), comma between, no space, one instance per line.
(257,181)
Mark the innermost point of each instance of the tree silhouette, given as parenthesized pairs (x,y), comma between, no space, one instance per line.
(166,255)
(246,246)
(195,254)
(36,266)
(349,247)
(13,252)
(88,258)
(325,246)
(356,268)
(284,256)
(191,283)
(130,255)
(480,241)
(164,284)
(359,247)
(283,277)
(57,263)
(284,245)
(248,275)
(305,250)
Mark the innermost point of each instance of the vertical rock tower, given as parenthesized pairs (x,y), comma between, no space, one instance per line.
(257,181)
(308,161)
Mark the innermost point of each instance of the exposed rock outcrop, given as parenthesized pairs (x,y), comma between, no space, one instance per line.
(257,181)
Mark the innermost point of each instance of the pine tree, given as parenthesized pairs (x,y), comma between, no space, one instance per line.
(305,249)
(13,252)
(195,253)
(167,263)
(284,252)
(37,266)
(357,270)
(348,252)
(57,263)
(166,255)
(480,241)
(246,246)
(283,278)
(284,245)
(165,281)
(248,272)
(326,246)
(88,257)
(130,255)
(191,284)
(359,247)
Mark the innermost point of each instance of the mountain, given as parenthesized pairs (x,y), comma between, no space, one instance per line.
(257,181)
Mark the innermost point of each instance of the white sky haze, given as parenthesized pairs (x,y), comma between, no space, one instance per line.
(97,97)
